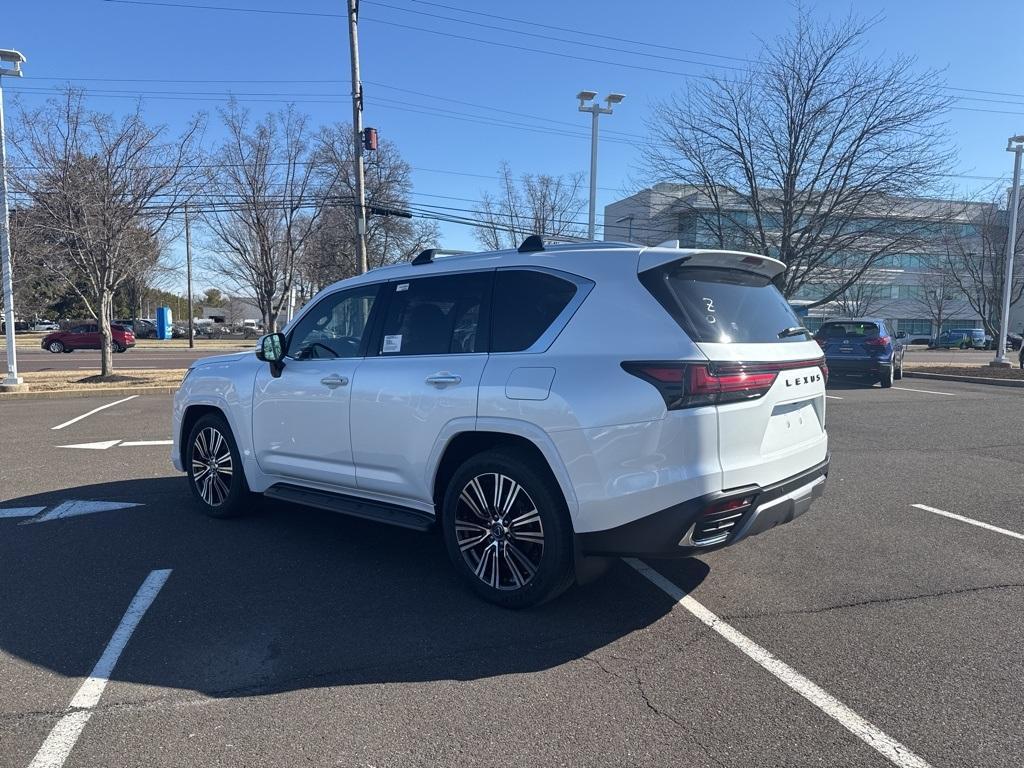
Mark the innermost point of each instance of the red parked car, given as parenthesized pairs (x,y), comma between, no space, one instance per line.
(87,336)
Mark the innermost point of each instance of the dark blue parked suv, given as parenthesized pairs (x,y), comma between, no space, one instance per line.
(862,346)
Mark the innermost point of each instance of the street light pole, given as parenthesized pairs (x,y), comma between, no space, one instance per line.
(596,110)
(1014,144)
(357,134)
(188,279)
(12,381)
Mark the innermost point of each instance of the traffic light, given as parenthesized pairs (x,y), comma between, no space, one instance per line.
(370,139)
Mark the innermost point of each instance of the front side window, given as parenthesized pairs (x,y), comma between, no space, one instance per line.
(437,315)
(335,326)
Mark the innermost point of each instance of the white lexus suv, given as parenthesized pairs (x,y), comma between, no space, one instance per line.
(546,408)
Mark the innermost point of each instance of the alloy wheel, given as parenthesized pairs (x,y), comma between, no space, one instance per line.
(499,531)
(212,466)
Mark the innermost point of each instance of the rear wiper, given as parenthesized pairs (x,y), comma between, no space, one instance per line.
(795,330)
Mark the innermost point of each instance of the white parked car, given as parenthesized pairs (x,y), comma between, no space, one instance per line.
(547,408)
(44,326)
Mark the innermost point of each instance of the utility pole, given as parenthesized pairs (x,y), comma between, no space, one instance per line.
(595,110)
(1014,144)
(357,134)
(13,381)
(188,278)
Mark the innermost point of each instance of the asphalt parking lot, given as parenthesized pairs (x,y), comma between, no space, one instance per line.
(298,637)
(85,360)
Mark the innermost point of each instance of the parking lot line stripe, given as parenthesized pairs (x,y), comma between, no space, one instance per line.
(94,410)
(61,740)
(833,397)
(969,521)
(146,442)
(878,740)
(926,391)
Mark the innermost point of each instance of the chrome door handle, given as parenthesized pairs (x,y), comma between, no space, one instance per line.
(443,379)
(334,380)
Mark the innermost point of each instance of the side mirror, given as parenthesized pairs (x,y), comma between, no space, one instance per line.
(271,349)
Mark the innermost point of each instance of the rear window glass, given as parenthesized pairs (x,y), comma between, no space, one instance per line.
(525,305)
(724,305)
(848,330)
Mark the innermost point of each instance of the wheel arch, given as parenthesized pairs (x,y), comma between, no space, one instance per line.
(497,433)
(191,415)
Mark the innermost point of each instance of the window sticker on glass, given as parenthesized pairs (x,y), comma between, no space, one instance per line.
(393,343)
(401,287)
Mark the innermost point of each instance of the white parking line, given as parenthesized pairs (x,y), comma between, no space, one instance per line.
(65,733)
(969,521)
(94,410)
(146,442)
(926,391)
(888,747)
(833,397)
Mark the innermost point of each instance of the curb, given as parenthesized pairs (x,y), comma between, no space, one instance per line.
(1017,383)
(56,394)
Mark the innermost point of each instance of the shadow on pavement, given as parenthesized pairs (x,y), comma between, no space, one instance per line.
(287,598)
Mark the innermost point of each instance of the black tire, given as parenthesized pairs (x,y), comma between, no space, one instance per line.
(56,347)
(888,376)
(117,347)
(512,564)
(230,497)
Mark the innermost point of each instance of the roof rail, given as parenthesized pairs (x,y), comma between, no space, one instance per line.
(427,256)
(531,244)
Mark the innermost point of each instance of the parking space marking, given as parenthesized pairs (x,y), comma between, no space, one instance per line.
(65,733)
(94,410)
(888,747)
(833,397)
(969,521)
(925,391)
(146,442)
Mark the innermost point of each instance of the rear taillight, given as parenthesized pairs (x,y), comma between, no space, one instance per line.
(877,341)
(689,385)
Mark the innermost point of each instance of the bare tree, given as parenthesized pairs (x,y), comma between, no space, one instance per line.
(939,296)
(391,234)
(865,297)
(535,205)
(976,264)
(97,184)
(267,189)
(808,155)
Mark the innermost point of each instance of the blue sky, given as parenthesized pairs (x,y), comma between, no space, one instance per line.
(456,148)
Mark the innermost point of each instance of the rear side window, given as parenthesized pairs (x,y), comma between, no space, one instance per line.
(848,330)
(723,305)
(526,303)
(437,315)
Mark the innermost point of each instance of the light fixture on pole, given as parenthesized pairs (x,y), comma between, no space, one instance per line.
(1014,144)
(10,66)
(596,110)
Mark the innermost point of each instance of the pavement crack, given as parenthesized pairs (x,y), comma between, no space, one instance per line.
(872,601)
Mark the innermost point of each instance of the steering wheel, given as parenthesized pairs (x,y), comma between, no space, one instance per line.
(305,351)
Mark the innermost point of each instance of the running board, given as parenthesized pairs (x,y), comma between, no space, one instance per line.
(377,511)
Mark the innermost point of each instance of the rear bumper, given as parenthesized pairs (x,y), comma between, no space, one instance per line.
(874,366)
(673,532)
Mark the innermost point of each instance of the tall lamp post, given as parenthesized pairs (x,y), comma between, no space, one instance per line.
(587,104)
(1014,144)
(10,66)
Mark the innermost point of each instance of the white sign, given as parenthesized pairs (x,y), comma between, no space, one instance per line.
(392,343)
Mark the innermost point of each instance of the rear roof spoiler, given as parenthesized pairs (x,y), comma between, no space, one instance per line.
(669,252)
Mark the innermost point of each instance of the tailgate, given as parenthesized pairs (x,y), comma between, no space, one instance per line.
(782,433)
